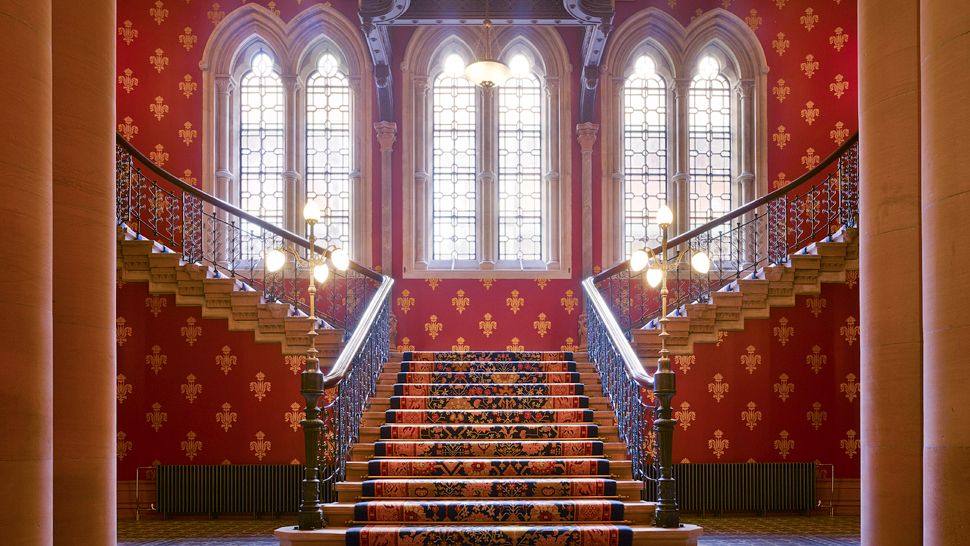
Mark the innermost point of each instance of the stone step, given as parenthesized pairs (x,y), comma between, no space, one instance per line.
(444,488)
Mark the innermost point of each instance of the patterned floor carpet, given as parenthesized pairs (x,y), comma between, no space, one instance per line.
(722,531)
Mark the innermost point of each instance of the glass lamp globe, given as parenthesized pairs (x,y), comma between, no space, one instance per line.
(487,73)
(665,216)
(311,211)
(275,259)
(340,259)
(654,276)
(639,260)
(321,273)
(701,262)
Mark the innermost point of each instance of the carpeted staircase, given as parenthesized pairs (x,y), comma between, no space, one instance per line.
(502,448)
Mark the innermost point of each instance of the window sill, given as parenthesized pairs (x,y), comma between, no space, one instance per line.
(475,270)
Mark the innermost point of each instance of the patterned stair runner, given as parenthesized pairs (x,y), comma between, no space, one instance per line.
(492,448)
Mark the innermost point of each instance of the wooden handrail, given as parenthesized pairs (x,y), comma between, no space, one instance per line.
(634,368)
(342,367)
(742,210)
(234,210)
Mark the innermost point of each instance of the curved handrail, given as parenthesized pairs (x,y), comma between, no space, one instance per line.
(742,210)
(631,362)
(342,366)
(232,209)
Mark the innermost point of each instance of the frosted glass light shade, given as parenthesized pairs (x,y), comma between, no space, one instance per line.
(665,216)
(654,276)
(700,262)
(638,260)
(311,211)
(321,273)
(487,73)
(275,259)
(340,259)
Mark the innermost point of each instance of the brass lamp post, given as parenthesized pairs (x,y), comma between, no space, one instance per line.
(311,380)
(667,514)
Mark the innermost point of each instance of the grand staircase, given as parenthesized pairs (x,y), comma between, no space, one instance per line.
(491,448)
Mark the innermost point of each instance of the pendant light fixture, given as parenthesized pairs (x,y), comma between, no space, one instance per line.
(488,72)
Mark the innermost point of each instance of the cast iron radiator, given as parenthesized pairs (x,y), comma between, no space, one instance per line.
(229,489)
(742,487)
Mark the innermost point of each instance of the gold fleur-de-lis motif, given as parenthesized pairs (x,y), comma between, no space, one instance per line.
(838,39)
(460,301)
(783,388)
(188,40)
(839,133)
(780,43)
(123,389)
(156,417)
(815,304)
(850,445)
(188,178)
(155,304)
(158,108)
(718,388)
(460,346)
(260,445)
(816,360)
(187,133)
(187,87)
(751,416)
(809,66)
(215,14)
(158,12)
(405,302)
(809,19)
(487,283)
(685,416)
(811,159)
(697,13)
(684,362)
(260,387)
(781,137)
(850,331)
(156,361)
(122,330)
(159,60)
(851,277)
(296,363)
(751,361)
(294,416)
(433,327)
(158,155)
(123,445)
(226,418)
(405,345)
(784,445)
(514,345)
(671,4)
(781,3)
(272,7)
(541,325)
(839,86)
(569,345)
(190,389)
(720,337)
(753,20)
(128,32)
(569,301)
(850,388)
(817,415)
(127,128)
(191,446)
(718,444)
(542,283)
(726,4)
(780,180)
(810,113)
(191,332)
(433,283)
(226,360)
(781,90)
(514,302)
(783,331)
(128,80)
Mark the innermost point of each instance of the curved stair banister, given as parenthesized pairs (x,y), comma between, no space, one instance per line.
(758,242)
(208,239)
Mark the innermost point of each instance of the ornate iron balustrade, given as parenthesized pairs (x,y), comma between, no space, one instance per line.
(154,204)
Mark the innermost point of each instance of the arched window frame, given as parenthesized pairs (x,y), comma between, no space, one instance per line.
(295,47)
(676,51)
(422,61)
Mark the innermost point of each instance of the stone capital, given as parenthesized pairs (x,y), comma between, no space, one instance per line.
(586,135)
(386,132)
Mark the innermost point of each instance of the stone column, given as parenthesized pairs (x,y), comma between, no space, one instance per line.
(84,271)
(890,305)
(25,258)
(386,136)
(586,135)
(944,50)
(678,191)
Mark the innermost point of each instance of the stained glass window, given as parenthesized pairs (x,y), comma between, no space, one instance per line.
(454,167)
(261,136)
(520,160)
(329,149)
(709,136)
(644,106)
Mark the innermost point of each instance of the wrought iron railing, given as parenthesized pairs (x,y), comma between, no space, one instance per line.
(741,244)
(154,204)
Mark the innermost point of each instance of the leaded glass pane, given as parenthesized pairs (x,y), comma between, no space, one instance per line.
(261,142)
(644,157)
(520,178)
(454,168)
(709,136)
(329,149)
